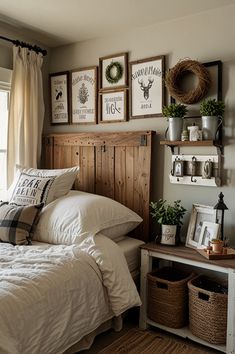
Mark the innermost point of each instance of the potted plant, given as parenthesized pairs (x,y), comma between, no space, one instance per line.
(211,112)
(175,113)
(169,217)
(217,245)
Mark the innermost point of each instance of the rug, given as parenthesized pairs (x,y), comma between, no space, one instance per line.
(136,341)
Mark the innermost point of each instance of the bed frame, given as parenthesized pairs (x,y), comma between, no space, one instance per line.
(115,165)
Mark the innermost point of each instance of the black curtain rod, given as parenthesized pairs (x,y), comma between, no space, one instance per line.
(18,43)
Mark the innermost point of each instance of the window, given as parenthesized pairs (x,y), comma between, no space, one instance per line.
(5,78)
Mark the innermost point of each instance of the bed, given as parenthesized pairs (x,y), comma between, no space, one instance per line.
(74,281)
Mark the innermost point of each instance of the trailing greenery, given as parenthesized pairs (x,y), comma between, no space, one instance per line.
(166,214)
(113,79)
(211,107)
(175,110)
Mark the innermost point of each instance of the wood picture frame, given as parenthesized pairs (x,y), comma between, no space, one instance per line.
(59,97)
(199,214)
(113,106)
(84,95)
(104,65)
(215,91)
(209,231)
(146,77)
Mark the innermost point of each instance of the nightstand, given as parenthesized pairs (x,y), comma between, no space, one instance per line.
(190,257)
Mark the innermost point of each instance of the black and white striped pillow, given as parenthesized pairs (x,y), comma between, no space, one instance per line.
(17,223)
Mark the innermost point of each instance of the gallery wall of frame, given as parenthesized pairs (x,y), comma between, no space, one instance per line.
(102,94)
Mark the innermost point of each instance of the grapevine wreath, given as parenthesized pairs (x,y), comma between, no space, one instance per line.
(113,79)
(174,76)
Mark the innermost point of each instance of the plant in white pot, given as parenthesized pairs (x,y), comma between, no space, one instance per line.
(211,112)
(175,113)
(169,217)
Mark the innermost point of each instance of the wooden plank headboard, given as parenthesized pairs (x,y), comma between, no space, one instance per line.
(115,165)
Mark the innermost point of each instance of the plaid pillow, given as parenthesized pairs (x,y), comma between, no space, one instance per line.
(17,224)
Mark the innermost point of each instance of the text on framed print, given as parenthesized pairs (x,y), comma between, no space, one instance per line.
(147,87)
(59,98)
(84,95)
(113,106)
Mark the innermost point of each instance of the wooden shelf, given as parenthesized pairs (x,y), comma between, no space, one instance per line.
(200,143)
(186,333)
(190,143)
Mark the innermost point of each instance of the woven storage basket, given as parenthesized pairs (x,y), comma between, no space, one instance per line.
(207,311)
(168,297)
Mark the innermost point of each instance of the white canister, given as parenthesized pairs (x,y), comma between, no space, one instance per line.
(194,133)
(168,235)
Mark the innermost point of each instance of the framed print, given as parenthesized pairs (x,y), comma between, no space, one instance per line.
(59,97)
(113,71)
(113,106)
(84,95)
(209,231)
(147,87)
(199,214)
(215,89)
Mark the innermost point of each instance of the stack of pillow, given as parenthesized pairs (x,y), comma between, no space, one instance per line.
(30,191)
(66,217)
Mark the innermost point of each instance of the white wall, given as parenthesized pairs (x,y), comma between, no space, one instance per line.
(205,37)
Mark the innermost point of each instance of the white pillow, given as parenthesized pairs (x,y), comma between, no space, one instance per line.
(72,218)
(34,186)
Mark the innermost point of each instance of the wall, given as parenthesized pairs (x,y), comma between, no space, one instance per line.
(205,37)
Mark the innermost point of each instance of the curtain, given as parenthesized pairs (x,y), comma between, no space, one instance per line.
(26,112)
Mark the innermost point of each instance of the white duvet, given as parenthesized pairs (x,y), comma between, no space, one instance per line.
(53,295)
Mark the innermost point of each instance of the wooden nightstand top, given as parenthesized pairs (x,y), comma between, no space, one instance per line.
(187,253)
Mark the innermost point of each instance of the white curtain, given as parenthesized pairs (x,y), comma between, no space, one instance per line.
(26,111)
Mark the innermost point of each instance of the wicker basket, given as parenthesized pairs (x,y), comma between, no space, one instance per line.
(207,311)
(168,297)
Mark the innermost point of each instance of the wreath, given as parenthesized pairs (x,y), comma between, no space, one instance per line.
(174,76)
(113,79)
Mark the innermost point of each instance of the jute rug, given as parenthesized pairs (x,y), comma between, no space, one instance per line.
(136,341)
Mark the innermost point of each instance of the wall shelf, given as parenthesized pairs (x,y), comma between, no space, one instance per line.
(206,143)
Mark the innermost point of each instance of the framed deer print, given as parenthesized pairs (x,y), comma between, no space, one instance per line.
(59,93)
(84,95)
(147,87)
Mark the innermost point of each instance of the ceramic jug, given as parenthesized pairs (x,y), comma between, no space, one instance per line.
(210,125)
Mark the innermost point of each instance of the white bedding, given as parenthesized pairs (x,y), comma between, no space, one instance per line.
(53,295)
(131,250)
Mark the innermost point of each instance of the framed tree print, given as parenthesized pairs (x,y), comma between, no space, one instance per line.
(84,95)
(147,87)
(113,106)
(59,96)
(113,71)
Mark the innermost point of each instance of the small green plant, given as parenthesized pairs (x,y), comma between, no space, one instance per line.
(166,214)
(174,110)
(211,107)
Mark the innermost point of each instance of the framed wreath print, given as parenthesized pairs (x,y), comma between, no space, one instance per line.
(147,87)
(113,106)
(59,97)
(113,71)
(84,95)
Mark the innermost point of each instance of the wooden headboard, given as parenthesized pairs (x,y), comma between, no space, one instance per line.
(115,165)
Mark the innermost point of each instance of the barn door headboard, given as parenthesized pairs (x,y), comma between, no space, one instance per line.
(115,165)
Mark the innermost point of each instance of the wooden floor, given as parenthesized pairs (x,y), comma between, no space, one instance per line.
(105,339)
